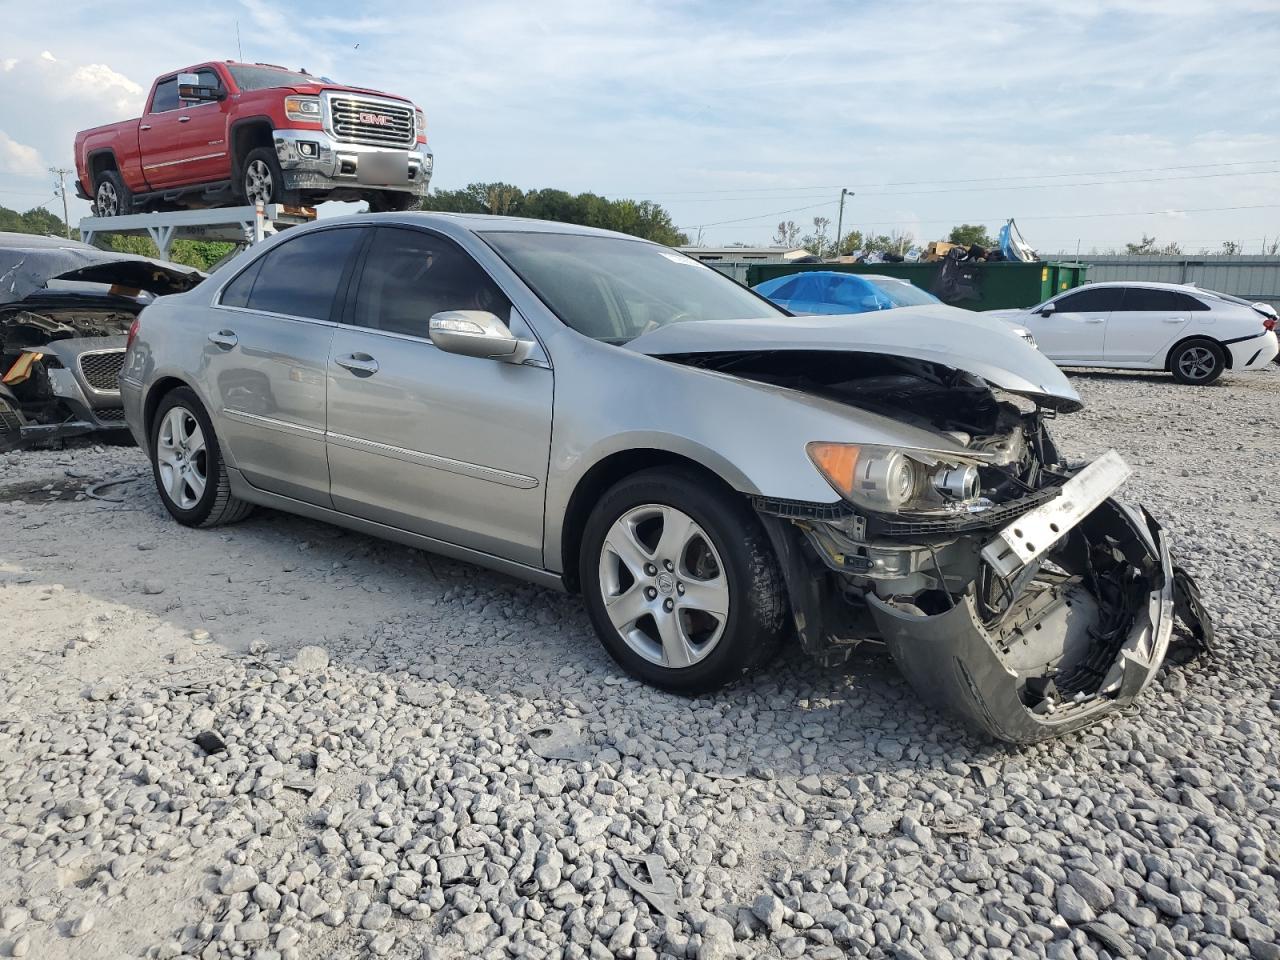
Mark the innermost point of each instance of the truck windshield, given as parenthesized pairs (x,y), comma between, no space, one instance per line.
(264,78)
(613,290)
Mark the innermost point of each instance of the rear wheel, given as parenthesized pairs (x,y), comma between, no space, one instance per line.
(680,582)
(111,198)
(187,464)
(1197,362)
(392,202)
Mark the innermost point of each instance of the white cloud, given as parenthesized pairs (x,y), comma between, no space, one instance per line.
(19,159)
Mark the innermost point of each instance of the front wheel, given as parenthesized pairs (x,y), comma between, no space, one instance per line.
(262,179)
(1197,362)
(680,581)
(187,464)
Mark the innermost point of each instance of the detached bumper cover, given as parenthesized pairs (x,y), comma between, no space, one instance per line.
(980,671)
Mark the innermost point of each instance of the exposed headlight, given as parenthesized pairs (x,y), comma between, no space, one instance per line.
(302,108)
(420,122)
(891,480)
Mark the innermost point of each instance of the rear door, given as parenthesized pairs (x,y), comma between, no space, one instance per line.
(1147,323)
(160,137)
(266,356)
(450,447)
(204,135)
(1076,329)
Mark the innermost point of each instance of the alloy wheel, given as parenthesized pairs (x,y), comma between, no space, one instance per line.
(258,182)
(1197,363)
(106,202)
(664,587)
(182,458)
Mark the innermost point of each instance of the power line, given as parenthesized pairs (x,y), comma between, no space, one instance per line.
(912,183)
(763,216)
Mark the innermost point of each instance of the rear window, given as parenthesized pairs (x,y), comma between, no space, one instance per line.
(300,277)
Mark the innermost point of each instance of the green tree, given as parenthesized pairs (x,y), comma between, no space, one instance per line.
(850,243)
(1149,247)
(640,218)
(201,254)
(37,220)
(970,234)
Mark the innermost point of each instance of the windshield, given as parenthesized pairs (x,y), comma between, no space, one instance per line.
(902,294)
(614,290)
(264,78)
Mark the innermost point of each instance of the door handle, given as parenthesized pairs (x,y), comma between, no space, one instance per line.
(183,119)
(1173,320)
(361,364)
(144,126)
(1095,319)
(226,339)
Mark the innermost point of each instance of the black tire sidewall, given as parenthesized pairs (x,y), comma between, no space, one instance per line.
(268,155)
(197,515)
(755,621)
(1219,356)
(124,198)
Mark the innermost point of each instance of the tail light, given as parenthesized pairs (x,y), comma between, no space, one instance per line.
(133,333)
(1269,323)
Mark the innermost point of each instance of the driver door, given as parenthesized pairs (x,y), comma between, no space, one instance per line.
(446,446)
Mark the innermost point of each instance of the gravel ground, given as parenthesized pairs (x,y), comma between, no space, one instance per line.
(417,758)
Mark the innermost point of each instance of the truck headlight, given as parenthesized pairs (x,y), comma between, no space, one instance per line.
(302,108)
(893,480)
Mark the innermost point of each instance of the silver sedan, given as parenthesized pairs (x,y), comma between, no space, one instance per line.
(716,476)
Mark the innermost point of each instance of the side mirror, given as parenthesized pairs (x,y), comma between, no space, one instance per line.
(190,88)
(1046,310)
(477,333)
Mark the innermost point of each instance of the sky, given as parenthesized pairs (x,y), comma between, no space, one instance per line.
(1090,123)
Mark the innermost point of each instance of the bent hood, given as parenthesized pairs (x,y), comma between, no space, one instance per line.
(983,346)
(28,263)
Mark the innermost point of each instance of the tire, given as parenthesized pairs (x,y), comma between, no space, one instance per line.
(211,504)
(392,202)
(1197,362)
(111,198)
(261,178)
(725,560)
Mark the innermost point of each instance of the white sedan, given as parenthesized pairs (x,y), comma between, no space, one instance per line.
(1195,334)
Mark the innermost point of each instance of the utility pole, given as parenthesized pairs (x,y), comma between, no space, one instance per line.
(840,218)
(61,187)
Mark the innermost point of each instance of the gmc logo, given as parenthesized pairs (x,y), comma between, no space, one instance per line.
(377,119)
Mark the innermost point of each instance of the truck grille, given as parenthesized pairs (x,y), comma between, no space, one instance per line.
(102,370)
(371,122)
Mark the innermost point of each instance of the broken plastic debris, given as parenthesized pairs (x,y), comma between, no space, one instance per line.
(559,741)
(210,742)
(659,889)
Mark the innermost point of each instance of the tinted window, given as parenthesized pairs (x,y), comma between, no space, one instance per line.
(236,293)
(300,277)
(166,97)
(1166,301)
(410,275)
(1090,300)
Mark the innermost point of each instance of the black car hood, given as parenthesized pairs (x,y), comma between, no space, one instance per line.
(948,336)
(28,263)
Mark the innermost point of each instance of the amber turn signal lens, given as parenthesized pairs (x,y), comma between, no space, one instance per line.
(837,462)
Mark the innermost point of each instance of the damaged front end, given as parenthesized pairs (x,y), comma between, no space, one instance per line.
(1008,586)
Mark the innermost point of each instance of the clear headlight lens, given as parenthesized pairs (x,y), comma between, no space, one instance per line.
(891,480)
(302,108)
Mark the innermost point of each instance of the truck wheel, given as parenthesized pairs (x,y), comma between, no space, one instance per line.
(262,179)
(680,581)
(111,198)
(390,202)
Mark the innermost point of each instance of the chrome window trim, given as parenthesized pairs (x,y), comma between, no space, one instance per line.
(275,316)
(475,471)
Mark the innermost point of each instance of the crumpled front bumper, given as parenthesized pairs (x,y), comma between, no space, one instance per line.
(312,160)
(959,664)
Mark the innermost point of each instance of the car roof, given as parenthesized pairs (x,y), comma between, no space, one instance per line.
(1148,284)
(475,223)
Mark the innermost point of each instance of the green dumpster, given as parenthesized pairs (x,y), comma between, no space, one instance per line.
(992,286)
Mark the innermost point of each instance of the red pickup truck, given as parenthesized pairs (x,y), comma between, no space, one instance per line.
(223,134)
